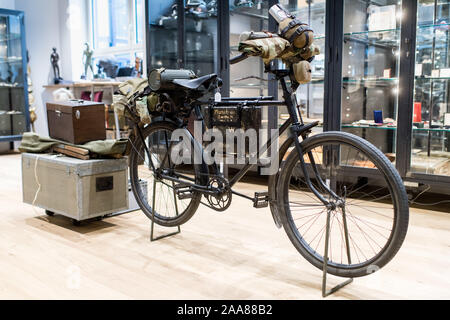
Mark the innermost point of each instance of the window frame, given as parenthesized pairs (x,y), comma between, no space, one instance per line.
(133,48)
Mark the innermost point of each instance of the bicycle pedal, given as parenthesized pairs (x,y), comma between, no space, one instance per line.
(183,191)
(261,200)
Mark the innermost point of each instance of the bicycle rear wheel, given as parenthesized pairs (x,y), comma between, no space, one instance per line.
(159,194)
(370,221)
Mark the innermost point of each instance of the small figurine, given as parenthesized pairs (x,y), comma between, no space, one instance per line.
(31,100)
(87,60)
(54,58)
(138,67)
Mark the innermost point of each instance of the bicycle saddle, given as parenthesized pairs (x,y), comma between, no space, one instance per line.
(196,83)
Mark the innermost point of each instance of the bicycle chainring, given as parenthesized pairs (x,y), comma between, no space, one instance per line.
(222,200)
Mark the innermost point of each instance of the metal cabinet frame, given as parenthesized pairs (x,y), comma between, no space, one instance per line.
(334,37)
(21,16)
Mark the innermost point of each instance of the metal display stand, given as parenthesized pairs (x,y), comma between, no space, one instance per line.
(326,293)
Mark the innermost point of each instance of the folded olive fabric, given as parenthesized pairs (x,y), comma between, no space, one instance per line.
(33,143)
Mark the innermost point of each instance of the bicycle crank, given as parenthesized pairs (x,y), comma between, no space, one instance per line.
(221,199)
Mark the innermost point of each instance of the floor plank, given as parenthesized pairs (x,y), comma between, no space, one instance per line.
(238,254)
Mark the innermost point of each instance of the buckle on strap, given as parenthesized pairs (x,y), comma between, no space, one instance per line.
(299,32)
(292,24)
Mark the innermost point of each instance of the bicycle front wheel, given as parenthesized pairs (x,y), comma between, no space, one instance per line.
(369,219)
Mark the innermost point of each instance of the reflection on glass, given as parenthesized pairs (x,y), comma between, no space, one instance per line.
(201,36)
(163,35)
(431,108)
(247,78)
(310,96)
(370,69)
(12,101)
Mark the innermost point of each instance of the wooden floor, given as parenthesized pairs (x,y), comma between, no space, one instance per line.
(238,254)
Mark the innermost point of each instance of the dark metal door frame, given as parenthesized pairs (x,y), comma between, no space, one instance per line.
(334,38)
(406,86)
(223,40)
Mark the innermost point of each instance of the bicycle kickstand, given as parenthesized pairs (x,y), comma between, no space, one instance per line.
(152,238)
(326,293)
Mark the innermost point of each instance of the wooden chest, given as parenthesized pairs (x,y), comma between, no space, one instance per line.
(77,121)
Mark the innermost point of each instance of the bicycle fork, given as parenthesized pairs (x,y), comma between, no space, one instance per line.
(299,129)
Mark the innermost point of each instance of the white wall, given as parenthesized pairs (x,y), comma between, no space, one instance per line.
(42,34)
(7,4)
(48,24)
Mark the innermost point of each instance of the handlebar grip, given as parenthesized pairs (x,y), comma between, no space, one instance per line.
(238,58)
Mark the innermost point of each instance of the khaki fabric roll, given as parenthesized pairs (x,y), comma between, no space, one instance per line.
(266,48)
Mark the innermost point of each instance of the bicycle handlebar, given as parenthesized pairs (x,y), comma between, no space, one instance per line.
(238,58)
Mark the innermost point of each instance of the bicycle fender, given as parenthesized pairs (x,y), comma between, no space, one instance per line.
(273,183)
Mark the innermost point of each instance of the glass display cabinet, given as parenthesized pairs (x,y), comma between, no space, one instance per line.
(395,86)
(370,71)
(14,115)
(310,97)
(248,79)
(182,34)
(383,72)
(430,147)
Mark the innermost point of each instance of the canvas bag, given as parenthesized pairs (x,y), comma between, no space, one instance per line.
(127,90)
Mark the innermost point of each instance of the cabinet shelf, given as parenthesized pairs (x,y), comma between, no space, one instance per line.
(394,128)
(9,37)
(14,113)
(431,78)
(371,81)
(433,26)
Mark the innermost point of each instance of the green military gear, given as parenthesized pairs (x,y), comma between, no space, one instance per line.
(127,90)
(33,143)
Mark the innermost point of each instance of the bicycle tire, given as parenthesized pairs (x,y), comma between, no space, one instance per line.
(399,200)
(142,200)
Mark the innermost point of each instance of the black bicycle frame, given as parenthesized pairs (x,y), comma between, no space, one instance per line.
(298,128)
(294,122)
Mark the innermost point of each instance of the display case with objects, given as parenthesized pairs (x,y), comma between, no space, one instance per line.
(383,72)
(182,34)
(14,116)
(430,146)
(310,97)
(248,79)
(370,71)
(394,88)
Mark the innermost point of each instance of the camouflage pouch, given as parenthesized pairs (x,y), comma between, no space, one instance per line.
(294,55)
(119,103)
(302,72)
(142,110)
(152,102)
(310,52)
